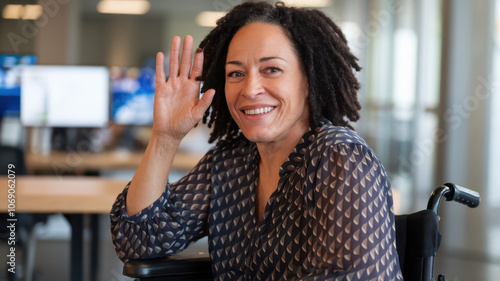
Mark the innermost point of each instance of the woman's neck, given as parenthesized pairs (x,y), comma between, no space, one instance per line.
(274,154)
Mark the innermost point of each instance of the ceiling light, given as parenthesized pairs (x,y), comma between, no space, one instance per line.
(25,12)
(307,3)
(32,12)
(12,11)
(130,7)
(209,18)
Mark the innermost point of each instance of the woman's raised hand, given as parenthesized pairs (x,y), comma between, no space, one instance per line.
(177,106)
(177,109)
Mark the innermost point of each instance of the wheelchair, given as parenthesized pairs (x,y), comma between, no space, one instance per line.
(417,241)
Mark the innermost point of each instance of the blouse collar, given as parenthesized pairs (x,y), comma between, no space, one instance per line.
(295,159)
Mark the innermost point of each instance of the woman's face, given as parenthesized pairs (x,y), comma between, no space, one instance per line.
(266,87)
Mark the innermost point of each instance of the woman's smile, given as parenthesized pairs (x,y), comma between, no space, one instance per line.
(258,111)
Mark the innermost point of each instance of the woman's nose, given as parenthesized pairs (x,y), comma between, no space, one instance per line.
(253,86)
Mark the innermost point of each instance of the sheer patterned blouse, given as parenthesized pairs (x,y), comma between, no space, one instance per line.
(330,217)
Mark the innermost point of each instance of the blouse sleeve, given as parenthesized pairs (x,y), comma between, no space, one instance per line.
(169,225)
(354,216)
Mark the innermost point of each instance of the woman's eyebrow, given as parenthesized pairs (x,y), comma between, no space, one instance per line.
(270,58)
(260,60)
(234,62)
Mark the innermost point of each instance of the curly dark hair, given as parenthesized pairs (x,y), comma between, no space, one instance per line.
(321,47)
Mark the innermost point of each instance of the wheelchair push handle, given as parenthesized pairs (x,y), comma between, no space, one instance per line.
(463,195)
(453,192)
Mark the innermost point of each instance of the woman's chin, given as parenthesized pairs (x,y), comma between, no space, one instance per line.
(258,137)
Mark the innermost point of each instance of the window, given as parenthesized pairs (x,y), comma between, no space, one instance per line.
(398,44)
(492,91)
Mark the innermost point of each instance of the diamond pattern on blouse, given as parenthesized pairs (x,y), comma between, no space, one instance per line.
(330,217)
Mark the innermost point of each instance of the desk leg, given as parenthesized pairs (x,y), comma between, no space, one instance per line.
(94,256)
(76,221)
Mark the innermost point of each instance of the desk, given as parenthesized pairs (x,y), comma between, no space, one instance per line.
(73,196)
(68,195)
(59,162)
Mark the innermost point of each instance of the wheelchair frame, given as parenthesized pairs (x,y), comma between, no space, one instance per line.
(451,192)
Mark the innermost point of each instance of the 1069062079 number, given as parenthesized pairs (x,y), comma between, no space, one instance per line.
(11,220)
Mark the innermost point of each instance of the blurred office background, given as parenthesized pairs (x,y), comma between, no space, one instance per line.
(430,94)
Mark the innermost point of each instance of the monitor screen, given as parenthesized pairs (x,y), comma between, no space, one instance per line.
(65,96)
(10,82)
(133,91)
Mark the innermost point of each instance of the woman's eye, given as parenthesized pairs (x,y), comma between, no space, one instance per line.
(234,74)
(272,70)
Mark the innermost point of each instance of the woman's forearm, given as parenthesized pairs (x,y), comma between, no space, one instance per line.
(152,174)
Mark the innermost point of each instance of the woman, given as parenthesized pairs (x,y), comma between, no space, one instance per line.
(289,192)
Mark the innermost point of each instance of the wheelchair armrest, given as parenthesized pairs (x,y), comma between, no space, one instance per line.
(194,268)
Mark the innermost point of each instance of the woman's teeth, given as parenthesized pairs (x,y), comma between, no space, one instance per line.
(258,110)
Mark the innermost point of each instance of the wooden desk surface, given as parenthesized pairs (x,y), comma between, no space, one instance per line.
(54,194)
(59,162)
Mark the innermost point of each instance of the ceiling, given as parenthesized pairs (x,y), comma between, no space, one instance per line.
(168,7)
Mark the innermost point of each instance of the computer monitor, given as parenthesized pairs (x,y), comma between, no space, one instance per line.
(65,96)
(10,82)
(133,91)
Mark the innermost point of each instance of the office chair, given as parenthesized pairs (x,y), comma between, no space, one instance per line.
(417,241)
(26,223)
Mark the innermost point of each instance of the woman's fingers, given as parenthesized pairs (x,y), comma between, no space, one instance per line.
(187,50)
(197,64)
(184,67)
(204,103)
(173,64)
(160,68)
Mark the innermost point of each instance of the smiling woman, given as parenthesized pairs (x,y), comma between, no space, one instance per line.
(289,191)
(266,87)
